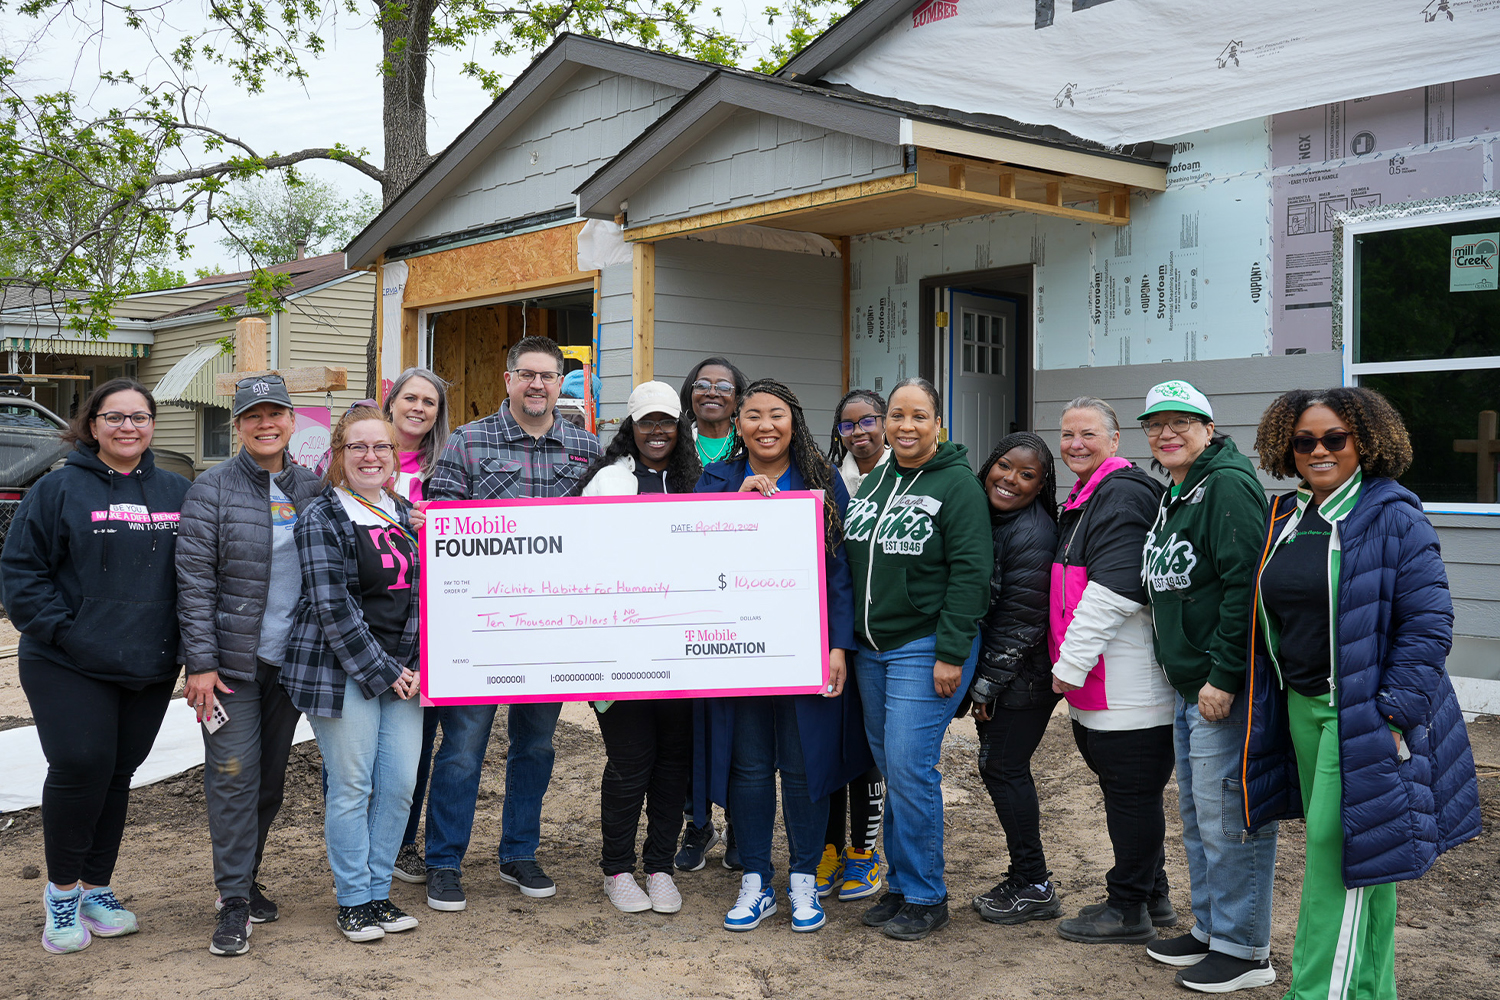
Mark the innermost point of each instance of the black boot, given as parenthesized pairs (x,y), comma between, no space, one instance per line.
(1116,923)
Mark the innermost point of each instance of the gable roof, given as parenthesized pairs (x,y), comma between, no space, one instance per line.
(539,81)
(840,109)
(848,35)
(306,274)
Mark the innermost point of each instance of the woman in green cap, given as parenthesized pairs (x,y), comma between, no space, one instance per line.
(1200,574)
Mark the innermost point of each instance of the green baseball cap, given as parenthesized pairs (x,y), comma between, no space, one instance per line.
(1176,395)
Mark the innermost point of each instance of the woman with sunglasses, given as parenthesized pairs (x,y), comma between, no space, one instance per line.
(87,578)
(351,665)
(648,742)
(710,396)
(1353,721)
(816,742)
(850,863)
(1200,572)
(238,582)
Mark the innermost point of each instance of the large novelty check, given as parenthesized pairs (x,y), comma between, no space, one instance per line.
(607,598)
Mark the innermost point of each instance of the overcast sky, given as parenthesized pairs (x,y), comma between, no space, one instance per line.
(340,102)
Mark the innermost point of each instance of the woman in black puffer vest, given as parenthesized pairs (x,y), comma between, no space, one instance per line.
(1012,691)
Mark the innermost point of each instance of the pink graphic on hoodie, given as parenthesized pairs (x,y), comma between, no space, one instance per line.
(1068,583)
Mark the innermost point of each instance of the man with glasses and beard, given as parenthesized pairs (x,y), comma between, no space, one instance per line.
(522,450)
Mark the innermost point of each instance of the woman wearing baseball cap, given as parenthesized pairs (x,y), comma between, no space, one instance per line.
(1200,574)
(648,743)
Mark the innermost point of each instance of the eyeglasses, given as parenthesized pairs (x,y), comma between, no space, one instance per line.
(655,426)
(1179,425)
(381,450)
(246,383)
(115,418)
(1306,444)
(721,387)
(869,423)
(527,376)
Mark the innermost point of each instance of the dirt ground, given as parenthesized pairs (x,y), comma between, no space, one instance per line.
(575,944)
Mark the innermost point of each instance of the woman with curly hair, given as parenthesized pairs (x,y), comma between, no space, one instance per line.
(816,742)
(648,743)
(1353,721)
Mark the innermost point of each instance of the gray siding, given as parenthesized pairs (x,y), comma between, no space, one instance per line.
(753,157)
(773,313)
(1240,390)
(615,336)
(555,150)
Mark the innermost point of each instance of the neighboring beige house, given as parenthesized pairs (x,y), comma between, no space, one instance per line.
(170,341)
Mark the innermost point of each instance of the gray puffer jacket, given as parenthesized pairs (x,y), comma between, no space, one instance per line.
(224,561)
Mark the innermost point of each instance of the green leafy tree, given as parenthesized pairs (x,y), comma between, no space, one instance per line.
(271,219)
(153,164)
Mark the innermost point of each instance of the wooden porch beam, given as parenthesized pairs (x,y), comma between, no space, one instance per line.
(643,313)
(1074,181)
(863,191)
(984,203)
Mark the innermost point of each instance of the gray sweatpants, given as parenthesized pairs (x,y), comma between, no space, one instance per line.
(245,775)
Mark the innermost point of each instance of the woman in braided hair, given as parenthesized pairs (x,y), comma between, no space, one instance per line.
(858,444)
(816,742)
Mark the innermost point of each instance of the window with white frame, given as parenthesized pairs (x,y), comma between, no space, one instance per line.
(1425,332)
(216,433)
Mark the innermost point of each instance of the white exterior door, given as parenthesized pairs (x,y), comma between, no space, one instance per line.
(982,335)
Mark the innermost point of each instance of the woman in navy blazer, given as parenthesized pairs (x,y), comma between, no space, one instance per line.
(817,742)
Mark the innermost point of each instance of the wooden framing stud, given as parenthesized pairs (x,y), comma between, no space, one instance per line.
(1054,194)
(1008,185)
(643,312)
(1122,203)
(958,177)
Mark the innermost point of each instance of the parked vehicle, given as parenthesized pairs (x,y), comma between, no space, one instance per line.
(30,444)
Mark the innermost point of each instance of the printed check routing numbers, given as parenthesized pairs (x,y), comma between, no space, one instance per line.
(609,598)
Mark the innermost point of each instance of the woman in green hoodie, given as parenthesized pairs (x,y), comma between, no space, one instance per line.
(918,541)
(1201,556)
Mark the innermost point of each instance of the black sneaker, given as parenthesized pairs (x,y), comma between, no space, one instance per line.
(1002,887)
(731,850)
(1221,973)
(1158,908)
(359,924)
(528,876)
(262,910)
(916,920)
(410,865)
(1021,901)
(882,912)
(391,918)
(445,890)
(232,932)
(696,840)
(1180,951)
(1110,925)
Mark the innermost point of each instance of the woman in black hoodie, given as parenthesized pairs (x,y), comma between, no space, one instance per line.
(1012,690)
(87,577)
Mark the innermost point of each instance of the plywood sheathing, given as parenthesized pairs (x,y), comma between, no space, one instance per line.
(497,267)
(469,348)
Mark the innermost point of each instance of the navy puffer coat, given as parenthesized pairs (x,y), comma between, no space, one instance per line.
(1394,630)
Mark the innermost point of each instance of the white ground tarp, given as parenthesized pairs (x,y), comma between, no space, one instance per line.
(1125,71)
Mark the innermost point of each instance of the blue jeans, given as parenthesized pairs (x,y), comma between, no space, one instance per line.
(1231,871)
(371,759)
(905,721)
(766,739)
(454,787)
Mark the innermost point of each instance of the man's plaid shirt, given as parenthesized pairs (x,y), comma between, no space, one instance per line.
(493,458)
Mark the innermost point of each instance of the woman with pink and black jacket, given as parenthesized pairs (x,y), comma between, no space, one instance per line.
(1103,662)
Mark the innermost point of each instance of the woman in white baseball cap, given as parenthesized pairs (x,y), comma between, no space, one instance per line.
(648,743)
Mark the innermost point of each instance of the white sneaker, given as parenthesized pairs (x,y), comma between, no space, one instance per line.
(626,893)
(753,905)
(663,892)
(807,911)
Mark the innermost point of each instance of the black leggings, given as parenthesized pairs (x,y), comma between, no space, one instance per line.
(864,801)
(95,734)
(648,745)
(1006,745)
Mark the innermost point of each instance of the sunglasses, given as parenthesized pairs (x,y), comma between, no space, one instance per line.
(1306,444)
(247,382)
(704,385)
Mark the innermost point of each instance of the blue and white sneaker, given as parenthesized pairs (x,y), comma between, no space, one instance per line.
(754,905)
(104,915)
(64,932)
(807,911)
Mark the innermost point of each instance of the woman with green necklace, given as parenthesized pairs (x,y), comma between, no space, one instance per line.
(711,393)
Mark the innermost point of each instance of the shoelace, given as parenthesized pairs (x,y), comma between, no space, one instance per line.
(64,909)
(105,899)
(748,897)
